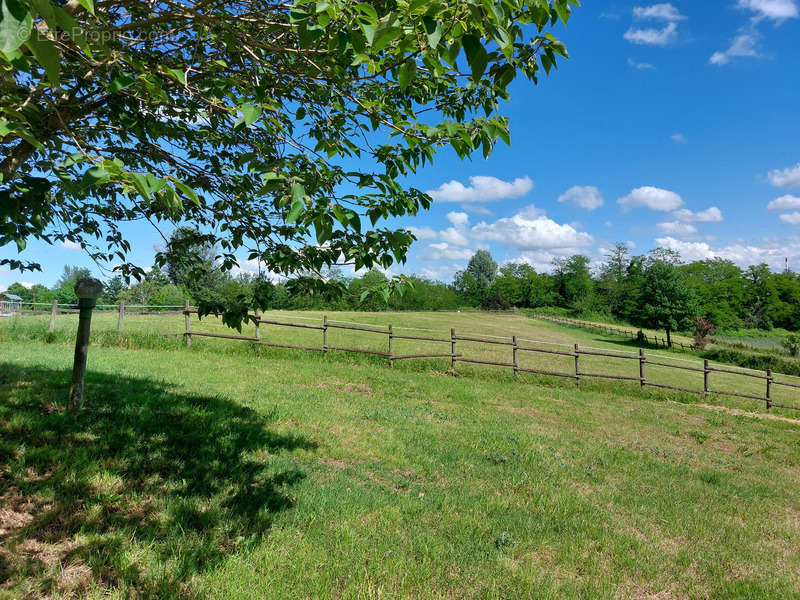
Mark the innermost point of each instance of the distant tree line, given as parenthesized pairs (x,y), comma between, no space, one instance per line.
(655,290)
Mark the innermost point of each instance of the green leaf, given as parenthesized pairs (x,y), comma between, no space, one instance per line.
(179,75)
(187,191)
(15,25)
(298,203)
(94,176)
(433,29)
(407,72)
(477,58)
(120,82)
(46,55)
(563,10)
(249,115)
(87,4)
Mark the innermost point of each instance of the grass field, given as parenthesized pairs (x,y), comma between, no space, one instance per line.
(224,471)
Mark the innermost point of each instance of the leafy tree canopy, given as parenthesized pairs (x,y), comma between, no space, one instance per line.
(282,129)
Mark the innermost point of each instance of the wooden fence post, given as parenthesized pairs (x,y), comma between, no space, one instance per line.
(121,316)
(577,367)
(391,348)
(187,317)
(325,334)
(706,376)
(453,349)
(53,313)
(642,360)
(769,389)
(257,314)
(516,365)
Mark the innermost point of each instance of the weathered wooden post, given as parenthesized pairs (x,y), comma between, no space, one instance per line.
(706,375)
(257,315)
(53,313)
(453,349)
(577,366)
(121,316)
(391,348)
(642,361)
(516,365)
(88,291)
(188,317)
(769,389)
(325,334)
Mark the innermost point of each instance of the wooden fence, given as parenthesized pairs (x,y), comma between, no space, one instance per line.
(658,341)
(515,348)
(54,309)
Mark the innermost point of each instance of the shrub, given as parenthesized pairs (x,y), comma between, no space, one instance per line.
(792,344)
(702,329)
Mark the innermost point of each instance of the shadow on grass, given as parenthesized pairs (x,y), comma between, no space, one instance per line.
(140,491)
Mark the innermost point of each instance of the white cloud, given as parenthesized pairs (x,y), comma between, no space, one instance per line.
(26,284)
(709,215)
(443,250)
(678,138)
(786,202)
(786,178)
(588,197)
(771,9)
(653,36)
(423,233)
(641,66)
(458,219)
(529,229)
(743,45)
(452,236)
(772,253)
(791,218)
(658,12)
(482,188)
(653,198)
(69,245)
(677,228)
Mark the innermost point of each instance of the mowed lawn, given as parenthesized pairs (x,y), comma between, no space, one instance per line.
(202,473)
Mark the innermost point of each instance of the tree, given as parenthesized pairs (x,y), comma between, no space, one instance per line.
(665,300)
(573,282)
(612,277)
(64,288)
(278,129)
(189,261)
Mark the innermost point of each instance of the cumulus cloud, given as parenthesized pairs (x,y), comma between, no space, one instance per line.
(458,219)
(786,202)
(785,178)
(743,45)
(69,245)
(771,9)
(588,197)
(641,66)
(653,198)
(530,229)
(443,250)
(677,228)
(709,215)
(791,218)
(658,12)
(423,233)
(482,188)
(678,138)
(652,36)
(452,236)
(772,253)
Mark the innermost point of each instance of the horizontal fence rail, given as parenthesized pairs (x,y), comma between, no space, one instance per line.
(634,334)
(576,352)
(456,355)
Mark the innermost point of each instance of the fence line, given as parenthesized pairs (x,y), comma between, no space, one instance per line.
(513,342)
(455,357)
(611,329)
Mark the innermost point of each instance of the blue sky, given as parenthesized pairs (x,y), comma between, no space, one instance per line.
(673,124)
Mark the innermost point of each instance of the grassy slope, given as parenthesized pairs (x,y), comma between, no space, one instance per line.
(198,473)
(148,331)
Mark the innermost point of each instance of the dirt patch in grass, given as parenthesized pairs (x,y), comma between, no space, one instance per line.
(348,387)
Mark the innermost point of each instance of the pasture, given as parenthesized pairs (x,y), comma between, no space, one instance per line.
(231,471)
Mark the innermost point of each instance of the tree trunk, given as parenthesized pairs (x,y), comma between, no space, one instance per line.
(669,340)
